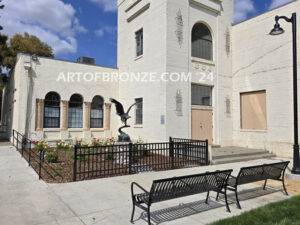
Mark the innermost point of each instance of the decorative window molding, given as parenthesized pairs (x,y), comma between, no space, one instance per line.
(139,12)
(215,9)
(131,4)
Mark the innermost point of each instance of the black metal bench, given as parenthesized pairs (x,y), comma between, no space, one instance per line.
(265,172)
(176,187)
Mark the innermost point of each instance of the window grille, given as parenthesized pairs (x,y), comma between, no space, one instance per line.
(52,110)
(139,111)
(139,43)
(201,95)
(202,46)
(75,112)
(97,112)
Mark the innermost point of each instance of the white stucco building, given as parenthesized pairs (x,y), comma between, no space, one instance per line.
(240,91)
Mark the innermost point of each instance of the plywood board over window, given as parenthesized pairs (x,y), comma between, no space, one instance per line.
(253,110)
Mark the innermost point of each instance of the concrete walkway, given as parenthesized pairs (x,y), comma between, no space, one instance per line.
(26,200)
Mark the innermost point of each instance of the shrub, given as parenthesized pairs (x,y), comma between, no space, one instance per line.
(51,156)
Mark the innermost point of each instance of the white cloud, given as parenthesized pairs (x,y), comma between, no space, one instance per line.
(242,9)
(277,3)
(54,22)
(99,32)
(107,5)
(110,30)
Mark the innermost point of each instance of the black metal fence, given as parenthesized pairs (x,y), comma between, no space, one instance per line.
(115,160)
(34,157)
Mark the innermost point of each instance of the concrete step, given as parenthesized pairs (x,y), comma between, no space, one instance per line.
(240,154)
(234,158)
(216,146)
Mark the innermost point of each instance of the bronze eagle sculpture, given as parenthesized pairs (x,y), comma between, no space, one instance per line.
(123,137)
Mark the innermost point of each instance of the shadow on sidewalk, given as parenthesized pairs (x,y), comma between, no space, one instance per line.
(180,211)
(188,209)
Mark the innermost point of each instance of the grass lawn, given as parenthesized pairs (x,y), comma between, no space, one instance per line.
(286,212)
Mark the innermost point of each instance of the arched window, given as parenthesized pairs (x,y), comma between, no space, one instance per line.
(52,110)
(202,45)
(97,112)
(75,111)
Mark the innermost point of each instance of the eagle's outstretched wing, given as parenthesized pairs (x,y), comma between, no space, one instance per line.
(130,108)
(119,106)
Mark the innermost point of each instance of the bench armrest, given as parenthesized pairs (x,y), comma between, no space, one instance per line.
(137,185)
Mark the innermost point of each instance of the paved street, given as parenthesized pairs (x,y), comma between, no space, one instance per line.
(26,200)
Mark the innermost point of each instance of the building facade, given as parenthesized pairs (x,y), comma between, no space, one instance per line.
(239,90)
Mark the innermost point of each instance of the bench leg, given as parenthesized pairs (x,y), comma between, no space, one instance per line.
(237,199)
(217,198)
(283,184)
(148,211)
(265,184)
(132,214)
(226,200)
(207,197)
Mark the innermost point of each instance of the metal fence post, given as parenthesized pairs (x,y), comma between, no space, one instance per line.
(206,152)
(130,158)
(75,164)
(29,153)
(171,152)
(40,166)
(24,141)
(17,141)
(14,138)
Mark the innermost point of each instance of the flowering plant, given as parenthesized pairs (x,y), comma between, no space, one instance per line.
(108,141)
(41,145)
(62,145)
(78,142)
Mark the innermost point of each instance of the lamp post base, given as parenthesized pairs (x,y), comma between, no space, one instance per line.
(296,170)
(296,166)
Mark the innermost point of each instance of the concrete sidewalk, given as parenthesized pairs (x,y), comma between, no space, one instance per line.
(26,200)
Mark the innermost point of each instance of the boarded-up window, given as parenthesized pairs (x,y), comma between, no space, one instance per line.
(253,110)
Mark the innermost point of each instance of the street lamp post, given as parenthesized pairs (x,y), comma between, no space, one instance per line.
(277,30)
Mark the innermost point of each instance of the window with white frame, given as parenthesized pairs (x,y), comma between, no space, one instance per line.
(201,95)
(52,110)
(139,42)
(75,112)
(97,112)
(202,44)
(139,111)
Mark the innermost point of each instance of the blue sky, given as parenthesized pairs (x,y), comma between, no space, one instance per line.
(76,28)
